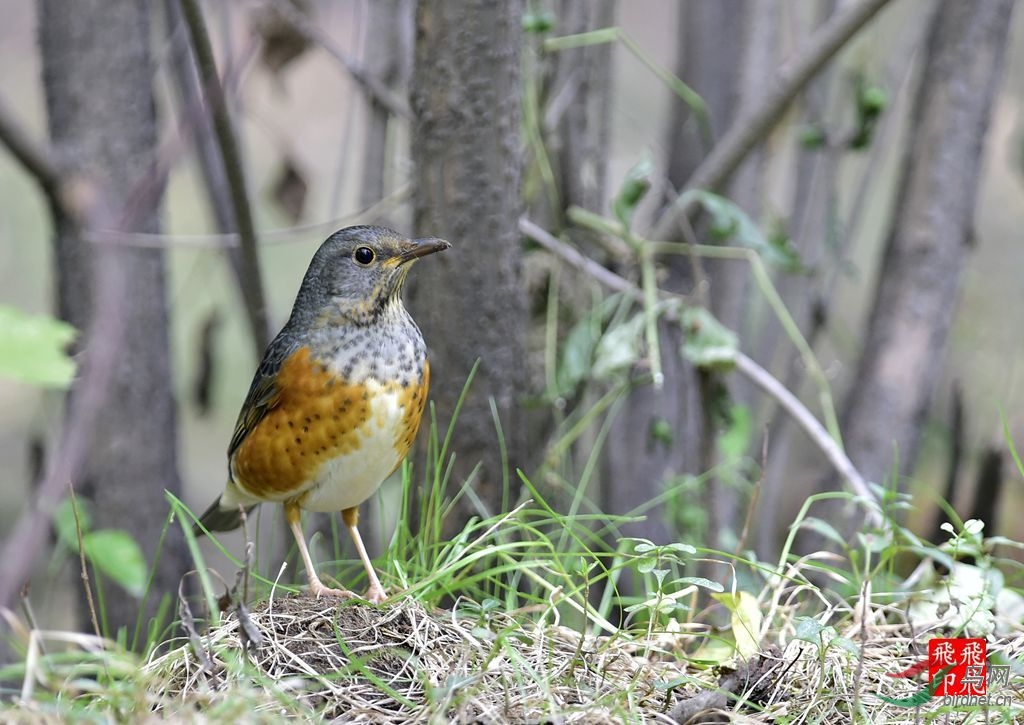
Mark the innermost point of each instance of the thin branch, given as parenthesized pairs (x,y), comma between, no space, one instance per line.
(283,235)
(37,158)
(373,86)
(194,122)
(747,130)
(83,567)
(811,426)
(252,284)
(744,365)
(755,495)
(580,261)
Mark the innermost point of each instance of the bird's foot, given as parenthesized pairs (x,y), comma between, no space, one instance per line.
(374,594)
(317,589)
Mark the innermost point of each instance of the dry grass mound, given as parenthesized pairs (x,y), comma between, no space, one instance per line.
(299,658)
(400,663)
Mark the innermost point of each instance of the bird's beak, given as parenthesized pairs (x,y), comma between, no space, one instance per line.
(423,247)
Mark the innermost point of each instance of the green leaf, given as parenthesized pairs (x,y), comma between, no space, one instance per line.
(618,349)
(781,246)
(115,554)
(974,527)
(824,528)
(872,100)
(937,555)
(700,582)
(812,136)
(871,103)
(640,546)
(809,629)
(745,620)
(707,343)
(665,605)
(873,543)
(729,222)
(661,431)
(681,548)
(714,652)
(577,351)
(64,522)
(675,682)
(734,442)
(646,566)
(635,186)
(32,349)
(541,22)
(845,643)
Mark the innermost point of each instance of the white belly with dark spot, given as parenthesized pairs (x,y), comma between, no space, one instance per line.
(351,478)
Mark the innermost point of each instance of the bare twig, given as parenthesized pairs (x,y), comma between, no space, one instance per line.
(37,159)
(283,235)
(252,284)
(195,123)
(811,426)
(755,495)
(578,260)
(744,365)
(86,584)
(373,86)
(747,130)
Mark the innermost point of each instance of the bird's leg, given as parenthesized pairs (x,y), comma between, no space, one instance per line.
(316,587)
(375,593)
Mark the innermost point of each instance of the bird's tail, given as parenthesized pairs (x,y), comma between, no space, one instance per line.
(220,518)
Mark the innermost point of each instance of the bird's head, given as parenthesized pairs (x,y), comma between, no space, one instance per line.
(358,274)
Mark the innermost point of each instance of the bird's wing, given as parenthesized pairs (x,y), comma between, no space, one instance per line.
(264,393)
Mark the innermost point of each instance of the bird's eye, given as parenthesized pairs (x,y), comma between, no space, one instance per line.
(364,256)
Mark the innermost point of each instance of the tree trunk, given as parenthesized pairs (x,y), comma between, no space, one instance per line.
(579,111)
(730,281)
(759,21)
(813,208)
(823,240)
(98,73)
(919,273)
(638,467)
(711,67)
(469,301)
(576,112)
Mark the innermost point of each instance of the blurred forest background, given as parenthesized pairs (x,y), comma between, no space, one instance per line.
(868,156)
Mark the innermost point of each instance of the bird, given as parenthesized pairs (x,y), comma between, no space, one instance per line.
(337,399)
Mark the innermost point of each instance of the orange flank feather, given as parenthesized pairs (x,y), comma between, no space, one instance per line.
(315,419)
